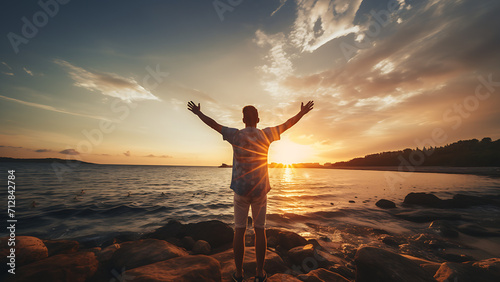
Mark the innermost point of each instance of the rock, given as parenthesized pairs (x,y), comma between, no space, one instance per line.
(476,230)
(343,270)
(75,267)
(215,232)
(273,264)
(390,240)
(374,264)
(272,237)
(423,199)
(456,258)
(288,240)
(352,202)
(55,247)
(122,237)
(173,229)
(107,253)
(452,271)
(430,266)
(444,228)
(28,250)
(95,250)
(385,204)
(188,242)
(309,257)
(491,265)
(201,248)
(427,215)
(185,268)
(322,275)
(299,254)
(138,253)
(250,239)
(281,277)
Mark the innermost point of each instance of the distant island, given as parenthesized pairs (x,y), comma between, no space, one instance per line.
(45,160)
(223,165)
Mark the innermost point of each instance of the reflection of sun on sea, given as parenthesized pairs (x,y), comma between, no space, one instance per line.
(288,152)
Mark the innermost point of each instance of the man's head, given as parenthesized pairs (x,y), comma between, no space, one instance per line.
(250,116)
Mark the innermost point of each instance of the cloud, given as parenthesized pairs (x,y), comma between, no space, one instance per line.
(43,151)
(282,3)
(109,84)
(28,71)
(69,152)
(50,108)
(127,153)
(6,146)
(279,65)
(5,64)
(396,85)
(320,21)
(154,156)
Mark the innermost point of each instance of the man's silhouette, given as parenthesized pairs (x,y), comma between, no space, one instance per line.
(250,180)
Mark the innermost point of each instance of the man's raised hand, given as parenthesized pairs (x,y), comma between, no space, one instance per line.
(307,108)
(193,108)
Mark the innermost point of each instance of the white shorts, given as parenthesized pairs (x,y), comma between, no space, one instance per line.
(259,209)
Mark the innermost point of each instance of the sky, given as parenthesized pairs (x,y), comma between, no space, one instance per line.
(108,81)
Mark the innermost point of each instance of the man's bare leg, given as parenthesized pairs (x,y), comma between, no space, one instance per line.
(260,249)
(239,249)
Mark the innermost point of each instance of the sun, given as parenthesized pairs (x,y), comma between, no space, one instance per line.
(288,152)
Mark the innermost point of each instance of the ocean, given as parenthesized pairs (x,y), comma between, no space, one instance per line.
(100,201)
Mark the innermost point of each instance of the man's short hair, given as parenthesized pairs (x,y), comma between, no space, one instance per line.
(250,114)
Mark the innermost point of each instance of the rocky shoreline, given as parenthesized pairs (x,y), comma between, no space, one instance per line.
(203,252)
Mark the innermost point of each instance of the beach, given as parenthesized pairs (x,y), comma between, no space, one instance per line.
(322,224)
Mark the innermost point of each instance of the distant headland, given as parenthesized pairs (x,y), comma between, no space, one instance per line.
(45,160)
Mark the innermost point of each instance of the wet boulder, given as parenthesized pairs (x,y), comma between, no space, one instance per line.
(423,199)
(142,252)
(185,268)
(215,232)
(375,264)
(385,204)
(28,249)
(452,271)
(322,275)
(201,247)
(56,247)
(75,267)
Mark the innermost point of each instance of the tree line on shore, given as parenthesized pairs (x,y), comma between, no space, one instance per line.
(470,153)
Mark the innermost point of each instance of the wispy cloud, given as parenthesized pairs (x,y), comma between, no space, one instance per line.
(69,152)
(279,65)
(320,21)
(109,84)
(43,151)
(5,64)
(50,108)
(28,71)
(282,3)
(154,156)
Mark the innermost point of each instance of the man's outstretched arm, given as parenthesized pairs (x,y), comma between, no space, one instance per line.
(292,121)
(207,120)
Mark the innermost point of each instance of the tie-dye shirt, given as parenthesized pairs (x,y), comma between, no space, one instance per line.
(250,147)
